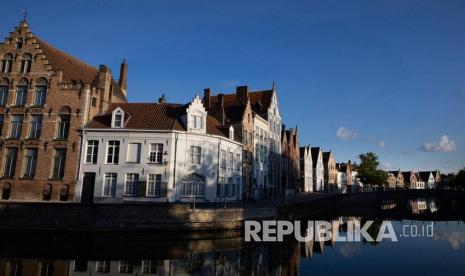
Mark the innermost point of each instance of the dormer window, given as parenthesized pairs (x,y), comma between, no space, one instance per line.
(196,116)
(197,121)
(231,133)
(118,118)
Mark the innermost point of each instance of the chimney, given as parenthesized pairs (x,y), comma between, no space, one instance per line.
(206,98)
(162,99)
(221,114)
(123,76)
(242,94)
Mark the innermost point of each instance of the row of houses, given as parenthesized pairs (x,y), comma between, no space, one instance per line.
(67,133)
(414,179)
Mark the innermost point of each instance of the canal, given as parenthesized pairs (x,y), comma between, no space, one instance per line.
(427,245)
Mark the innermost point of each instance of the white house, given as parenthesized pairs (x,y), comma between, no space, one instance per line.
(158,152)
(429,179)
(306,169)
(318,169)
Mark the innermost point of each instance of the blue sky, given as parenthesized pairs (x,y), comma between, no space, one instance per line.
(389,75)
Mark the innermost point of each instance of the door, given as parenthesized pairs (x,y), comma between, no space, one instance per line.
(88,184)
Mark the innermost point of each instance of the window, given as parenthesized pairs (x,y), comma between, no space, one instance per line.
(223,159)
(21,95)
(125,267)
(26,63)
(133,154)
(94,101)
(149,267)
(92,152)
(80,266)
(15,268)
(130,188)
(238,162)
(59,163)
(156,153)
(19,43)
(109,184)
(2,118)
(193,186)
(113,152)
(40,95)
(118,118)
(3,94)
(230,161)
(10,162)
(154,185)
(7,63)
(197,121)
(63,126)
(35,128)
(195,155)
(46,268)
(102,266)
(30,163)
(16,126)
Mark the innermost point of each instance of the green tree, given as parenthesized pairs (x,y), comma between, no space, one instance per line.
(368,171)
(460,179)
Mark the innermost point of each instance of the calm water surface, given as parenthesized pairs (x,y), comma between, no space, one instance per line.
(26,253)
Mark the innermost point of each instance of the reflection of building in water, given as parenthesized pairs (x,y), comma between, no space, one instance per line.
(388,205)
(306,249)
(418,206)
(18,267)
(433,208)
(212,263)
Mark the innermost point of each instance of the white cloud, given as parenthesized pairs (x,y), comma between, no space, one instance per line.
(345,133)
(381,144)
(444,145)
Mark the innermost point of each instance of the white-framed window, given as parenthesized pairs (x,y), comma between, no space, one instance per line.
(30,163)
(26,63)
(16,126)
(9,165)
(21,95)
(118,118)
(223,159)
(195,155)
(230,161)
(35,128)
(59,163)
(3,94)
(197,121)
(156,153)
(40,95)
(133,154)
(125,267)
(91,152)
(113,152)
(102,266)
(193,185)
(130,187)
(154,185)
(109,184)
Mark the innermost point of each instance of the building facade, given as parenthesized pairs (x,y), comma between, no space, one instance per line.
(330,171)
(344,178)
(318,169)
(46,95)
(306,169)
(290,161)
(410,179)
(159,152)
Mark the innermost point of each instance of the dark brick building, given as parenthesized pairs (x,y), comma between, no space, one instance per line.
(46,96)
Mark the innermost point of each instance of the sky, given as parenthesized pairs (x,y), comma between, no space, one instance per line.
(353,76)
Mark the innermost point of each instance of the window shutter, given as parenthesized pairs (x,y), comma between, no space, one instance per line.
(133,152)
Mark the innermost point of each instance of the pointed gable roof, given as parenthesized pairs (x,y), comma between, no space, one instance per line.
(260,101)
(326,156)
(315,153)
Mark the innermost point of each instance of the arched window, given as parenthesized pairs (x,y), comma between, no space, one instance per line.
(117,118)
(41,92)
(193,185)
(26,63)
(64,120)
(21,92)
(19,43)
(4,86)
(7,63)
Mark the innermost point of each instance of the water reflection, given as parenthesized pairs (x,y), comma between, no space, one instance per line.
(226,253)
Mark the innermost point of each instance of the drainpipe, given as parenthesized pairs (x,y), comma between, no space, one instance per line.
(174,169)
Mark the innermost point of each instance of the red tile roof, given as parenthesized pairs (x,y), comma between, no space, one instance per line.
(152,116)
(259,100)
